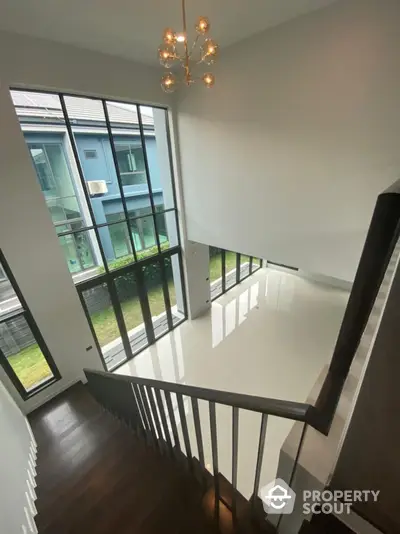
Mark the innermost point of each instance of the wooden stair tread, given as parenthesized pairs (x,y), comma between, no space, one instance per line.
(95,475)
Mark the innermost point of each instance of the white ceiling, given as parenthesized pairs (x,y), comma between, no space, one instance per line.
(132,28)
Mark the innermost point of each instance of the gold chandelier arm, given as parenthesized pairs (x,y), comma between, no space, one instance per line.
(187,68)
(194,46)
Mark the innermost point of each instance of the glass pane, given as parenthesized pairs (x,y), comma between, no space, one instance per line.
(155,294)
(19,346)
(126,286)
(116,245)
(156,140)
(173,273)
(130,160)
(8,298)
(78,252)
(257,262)
(56,169)
(215,271)
(56,180)
(167,230)
(130,155)
(230,269)
(244,266)
(94,151)
(144,236)
(102,316)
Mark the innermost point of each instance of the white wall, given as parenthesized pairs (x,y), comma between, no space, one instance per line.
(284,157)
(27,236)
(31,62)
(15,444)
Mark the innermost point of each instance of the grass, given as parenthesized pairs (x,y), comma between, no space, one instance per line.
(230,263)
(105,324)
(30,366)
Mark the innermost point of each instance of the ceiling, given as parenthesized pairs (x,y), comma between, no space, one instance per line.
(132,28)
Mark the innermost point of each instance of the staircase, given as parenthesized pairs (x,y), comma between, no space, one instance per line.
(98,474)
(156,413)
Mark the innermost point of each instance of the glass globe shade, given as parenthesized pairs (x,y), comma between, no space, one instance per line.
(166,55)
(209,51)
(208,79)
(168,83)
(169,36)
(202,25)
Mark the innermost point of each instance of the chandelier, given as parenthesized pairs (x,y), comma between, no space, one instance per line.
(175,50)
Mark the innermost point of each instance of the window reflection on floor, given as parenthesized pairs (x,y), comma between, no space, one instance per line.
(225,318)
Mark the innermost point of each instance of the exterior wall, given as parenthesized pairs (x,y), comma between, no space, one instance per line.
(102,168)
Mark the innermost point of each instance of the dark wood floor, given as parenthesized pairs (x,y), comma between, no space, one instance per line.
(95,476)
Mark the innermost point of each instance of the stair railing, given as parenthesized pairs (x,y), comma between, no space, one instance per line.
(147,406)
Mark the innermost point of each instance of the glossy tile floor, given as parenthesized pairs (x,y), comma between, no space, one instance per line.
(269,336)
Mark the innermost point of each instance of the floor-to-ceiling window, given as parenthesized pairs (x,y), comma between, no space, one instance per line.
(23,352)
(105,171)
(229,268)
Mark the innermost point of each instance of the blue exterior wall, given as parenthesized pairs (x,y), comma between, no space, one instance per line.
(102,168)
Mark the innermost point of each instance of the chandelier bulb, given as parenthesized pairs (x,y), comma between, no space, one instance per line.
(168,82)
(166,55)
(202,25)
(169,36)
(209,51)
(208,79)
(180,37)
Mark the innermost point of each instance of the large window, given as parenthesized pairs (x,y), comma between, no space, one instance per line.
(228,269)
(23,353)
(106,176)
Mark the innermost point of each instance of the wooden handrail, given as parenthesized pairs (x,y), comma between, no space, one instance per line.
(297,411)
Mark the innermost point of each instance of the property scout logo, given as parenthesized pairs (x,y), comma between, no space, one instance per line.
(279,498)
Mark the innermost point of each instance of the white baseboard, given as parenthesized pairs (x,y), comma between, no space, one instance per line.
(327,280)
(315,277)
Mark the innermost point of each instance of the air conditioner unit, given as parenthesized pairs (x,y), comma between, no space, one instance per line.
(97,187)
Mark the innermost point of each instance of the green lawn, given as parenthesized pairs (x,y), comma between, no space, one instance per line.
(30,366)
(230,263)
(105,324)
(215,267)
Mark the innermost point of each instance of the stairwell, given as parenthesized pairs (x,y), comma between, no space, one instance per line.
(111,459)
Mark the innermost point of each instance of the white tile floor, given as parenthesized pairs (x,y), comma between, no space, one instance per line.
(270,336)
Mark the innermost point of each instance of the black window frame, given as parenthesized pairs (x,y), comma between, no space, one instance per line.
(26,313)
(255,265)
(135,261)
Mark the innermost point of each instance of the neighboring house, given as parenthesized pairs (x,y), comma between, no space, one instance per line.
(50,147)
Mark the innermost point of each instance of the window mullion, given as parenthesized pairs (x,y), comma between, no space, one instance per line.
(121,189)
